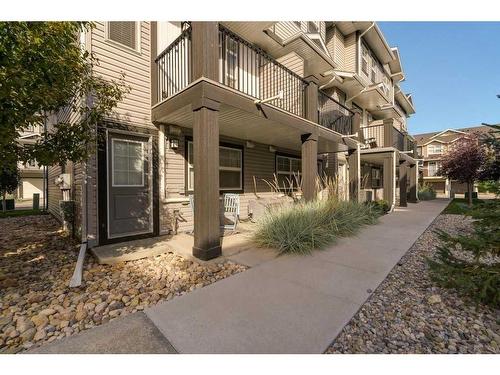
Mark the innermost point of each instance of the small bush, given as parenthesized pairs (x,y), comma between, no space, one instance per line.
(426,192)
(471,263)
(303,227)
(381,205)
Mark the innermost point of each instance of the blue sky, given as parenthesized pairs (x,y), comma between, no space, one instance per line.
(452,69)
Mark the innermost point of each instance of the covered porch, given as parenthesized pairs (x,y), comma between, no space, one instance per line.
(267,115)
(389,174)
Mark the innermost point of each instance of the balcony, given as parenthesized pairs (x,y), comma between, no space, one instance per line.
(249,70)
(333,115)
(242,67)
(384,134)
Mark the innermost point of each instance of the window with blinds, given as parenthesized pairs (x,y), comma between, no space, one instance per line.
(123,32)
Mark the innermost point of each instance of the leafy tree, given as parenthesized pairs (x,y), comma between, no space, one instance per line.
(43,70)
(490,174)
(463,161)
(9,180)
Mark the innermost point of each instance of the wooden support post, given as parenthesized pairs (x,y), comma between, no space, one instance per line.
(388,133)
(206,184)
(354,162)
(205,50)
(309,165)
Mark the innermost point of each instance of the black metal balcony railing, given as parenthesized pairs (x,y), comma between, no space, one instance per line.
(242,66)
(174,66)
(398,140)
(333,115)
(248,69)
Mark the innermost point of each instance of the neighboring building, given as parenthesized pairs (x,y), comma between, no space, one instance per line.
(432,146)
(227,106)
(32,175)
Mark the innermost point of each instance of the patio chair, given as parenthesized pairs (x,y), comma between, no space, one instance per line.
(191,204)
(232,209)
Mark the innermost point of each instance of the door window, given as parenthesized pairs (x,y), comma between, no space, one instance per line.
(128,163)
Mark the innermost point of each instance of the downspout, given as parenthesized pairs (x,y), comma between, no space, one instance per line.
(76,279)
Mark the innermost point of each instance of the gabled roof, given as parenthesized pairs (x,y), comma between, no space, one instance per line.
(424,138)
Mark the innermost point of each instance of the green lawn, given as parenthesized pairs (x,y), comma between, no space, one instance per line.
(458,206)
(17,213)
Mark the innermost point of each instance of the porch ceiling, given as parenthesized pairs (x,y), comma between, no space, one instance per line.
(241,118)
(235,123)
(386,112)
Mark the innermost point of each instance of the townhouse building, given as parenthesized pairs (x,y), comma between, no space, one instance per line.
(227,107)
(32,175)
(430,149)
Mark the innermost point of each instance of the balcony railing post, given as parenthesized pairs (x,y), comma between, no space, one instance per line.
(389,133)
(205,50)
(311,98)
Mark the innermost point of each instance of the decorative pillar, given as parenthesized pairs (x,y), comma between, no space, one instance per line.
(354,162)
(403,185)
(413,171)
(356,127)
(309,165)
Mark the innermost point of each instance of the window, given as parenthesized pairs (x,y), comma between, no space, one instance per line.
(298,24)
(128,163)
(433,168)
(376,178)
(374,70)
(435,149)
(288,170)
(125,33)
(312,27)
(230,168)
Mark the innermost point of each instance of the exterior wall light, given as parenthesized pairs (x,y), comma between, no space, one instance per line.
(174,143)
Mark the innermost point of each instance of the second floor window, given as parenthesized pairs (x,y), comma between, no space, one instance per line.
(364,59)
(435,149)
(124,33)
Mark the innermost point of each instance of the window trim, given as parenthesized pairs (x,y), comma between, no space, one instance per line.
(232,146)
(116,44)
(113,162)
(379,179)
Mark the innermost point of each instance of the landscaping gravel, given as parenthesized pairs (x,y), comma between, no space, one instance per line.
(408,313)
(37,262)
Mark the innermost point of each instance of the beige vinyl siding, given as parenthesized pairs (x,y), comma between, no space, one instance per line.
(114,59)
(294,62)
(338,48)
(285,29)
(350,57)
(322,30)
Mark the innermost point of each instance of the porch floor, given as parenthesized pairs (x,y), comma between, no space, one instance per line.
(237,246)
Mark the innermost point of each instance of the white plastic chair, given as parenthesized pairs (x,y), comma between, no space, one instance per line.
(232,209)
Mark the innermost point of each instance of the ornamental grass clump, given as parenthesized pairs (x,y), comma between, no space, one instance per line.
(305,226)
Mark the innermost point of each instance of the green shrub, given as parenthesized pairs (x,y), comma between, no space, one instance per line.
(381,205)
(426,192)
(470,263)
(303,227)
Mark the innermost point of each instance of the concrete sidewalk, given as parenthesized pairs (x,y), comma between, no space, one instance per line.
(293,304)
